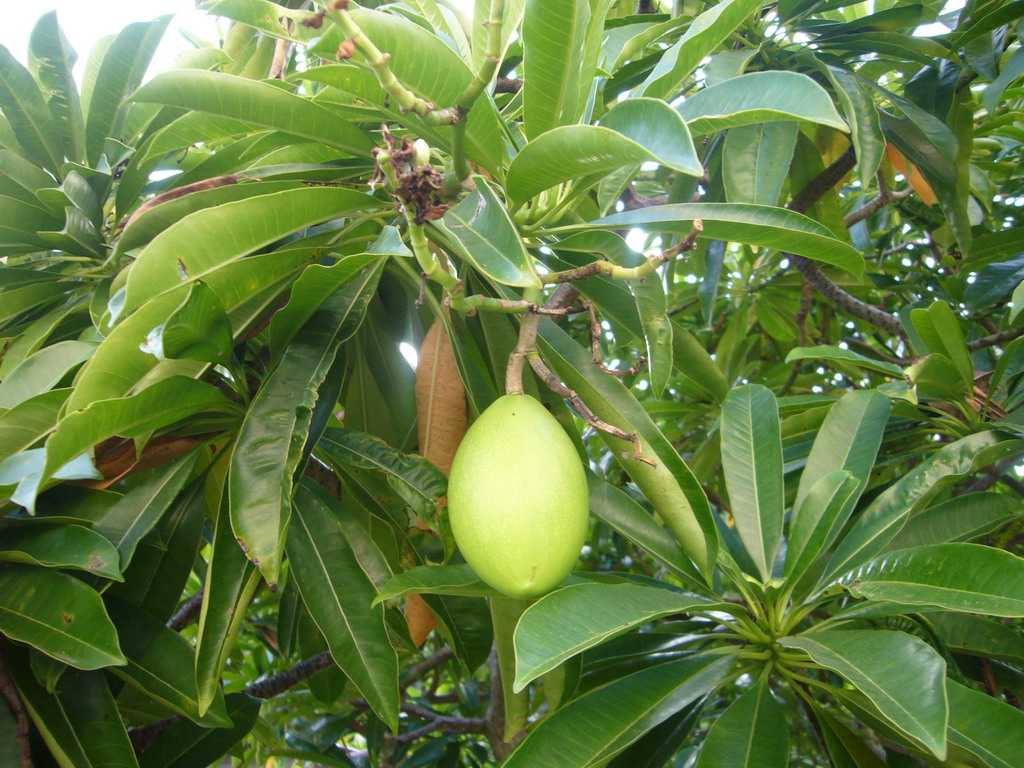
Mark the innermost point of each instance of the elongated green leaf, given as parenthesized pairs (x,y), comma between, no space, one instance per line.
(456,580)
(589,730)
(53,59)
(124,63)
(815,524)
(483,233)
(978,636)
(740,223)
(570,620)
(901,675)
(186,744)
(985,727)
(42,371)
(158,406)
(634,131)
(959,577)
(961,518)
(752,461)
(63,546)
(254,102)
(877,525)
(271,438)
(26,423)
(230,583)
(756,161)
(865,127)
(245,289)
(339,595)
(625,515)
(132,517)
(416,479)
(848,439)
(759,97)
(553,42)
(703,35)
(670,485)
(940,330)
(652,308)
(58,614)
(199,329)
(229,232)
(29,117)
(844,747)
(81,723)
(827,352)
(751,733)
(161,664)
(314,286)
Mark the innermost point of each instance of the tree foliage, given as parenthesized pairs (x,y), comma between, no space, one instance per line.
(763,263)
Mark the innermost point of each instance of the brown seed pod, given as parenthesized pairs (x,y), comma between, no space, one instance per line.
(419,618)
(440,399)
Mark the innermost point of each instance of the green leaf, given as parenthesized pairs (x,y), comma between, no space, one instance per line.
(339,595)
(959,577)
(230,231)
(758,225)
(161,664)
(230,583)
(901,675)
(271,438)
(978,636)
(961,518)
(53,59)
(254,102)
(314,286)
(186,744)
(752,462)
(828,352)
(940,330)
(42,371)
(158,406)
(482,232)
(652,308)
(63,546)
(58,614)
(756,159)
(132,517)
(1011,70)
(574,618)
(124,62)
(26,423)
(848,439)
(877,525)
(751,733)
(865,126)
(818,519)
(29,117)
(456,580)
(80,724)
(759,97)
(417,480)
(553,34)
(844,747)
(593,728)
(633,131)
(623,514)
(705,33)
(985,727)
(199,329)
(670,485)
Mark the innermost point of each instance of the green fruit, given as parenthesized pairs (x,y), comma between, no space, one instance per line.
(517,498)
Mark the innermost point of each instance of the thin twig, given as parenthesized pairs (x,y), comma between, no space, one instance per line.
(995,339)
(885,197)
(21,733)
(595,347)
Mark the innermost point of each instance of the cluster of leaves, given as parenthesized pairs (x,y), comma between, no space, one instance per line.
(806,553)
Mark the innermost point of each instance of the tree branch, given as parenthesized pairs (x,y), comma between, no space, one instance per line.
(187,612)
(995,339)
(21,734)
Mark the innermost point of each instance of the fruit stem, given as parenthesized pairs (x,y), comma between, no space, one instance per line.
(505,613)
(526,346)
